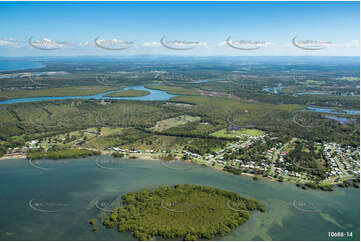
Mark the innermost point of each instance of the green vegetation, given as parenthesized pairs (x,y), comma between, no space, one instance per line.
(9,234)
(344,184)
(201,123)
(205,146)
(255,152)
(128,93)
(350,78)
(174,122)
(168,157)
(232,170)
(61,91)
(323,187)
(120,138)
(235,133)
(61,154)
(117,155)
(305,157)
(311,185)
(313,82)
(174,90)
(93,223)
(189,212)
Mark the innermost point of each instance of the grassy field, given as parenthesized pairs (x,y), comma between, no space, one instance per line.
(70,139)
(134,139)
(313,82)
(61,91)
(350,78)
(174,90)
(174,122)
(128,93)
(158,142)
(235,133)
(115,138)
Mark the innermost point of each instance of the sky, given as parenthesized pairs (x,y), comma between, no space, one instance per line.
(188,28)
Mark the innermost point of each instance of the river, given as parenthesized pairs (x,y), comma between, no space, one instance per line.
(72,188)
(333,110)
(154,95)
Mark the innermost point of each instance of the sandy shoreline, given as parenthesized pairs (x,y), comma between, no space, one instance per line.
(155,157)
(137,157)
(13,156)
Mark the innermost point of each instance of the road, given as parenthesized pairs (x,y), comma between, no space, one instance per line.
(277,152)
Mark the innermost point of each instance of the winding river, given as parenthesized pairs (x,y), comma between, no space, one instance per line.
(333,111)
(154,95)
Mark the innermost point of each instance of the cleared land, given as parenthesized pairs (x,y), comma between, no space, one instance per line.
(234,133)
(174,122)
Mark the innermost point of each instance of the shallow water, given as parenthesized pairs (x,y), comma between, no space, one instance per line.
(74,186)
(275,90)
(323,93)
(333,111)
(338,119)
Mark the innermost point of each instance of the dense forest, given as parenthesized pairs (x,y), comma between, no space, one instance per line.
(61,154)
(188,212)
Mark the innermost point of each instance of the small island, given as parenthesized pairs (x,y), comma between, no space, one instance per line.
(188,212)
(128,93)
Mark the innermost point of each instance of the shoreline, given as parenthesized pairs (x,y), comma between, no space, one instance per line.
(146,157)
(13,156)
(154,157)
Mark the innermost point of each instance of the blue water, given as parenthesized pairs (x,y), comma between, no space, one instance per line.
(74,185)
(276,90)
(18,65)
(339,119)
(312,93)
(333,111)
(155,95)
(201,81)
(323,93)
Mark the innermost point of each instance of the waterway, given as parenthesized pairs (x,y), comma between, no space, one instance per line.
(73,186)
(18,65)
(154,95)
(333,111)
(275,90)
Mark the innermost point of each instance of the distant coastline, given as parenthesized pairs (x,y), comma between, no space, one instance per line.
(17,65)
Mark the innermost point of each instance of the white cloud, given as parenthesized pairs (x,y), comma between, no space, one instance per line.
(84,44)
(186,44)
(247,43)
(151,44)
(353,43)
(9,42)
(223,43)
